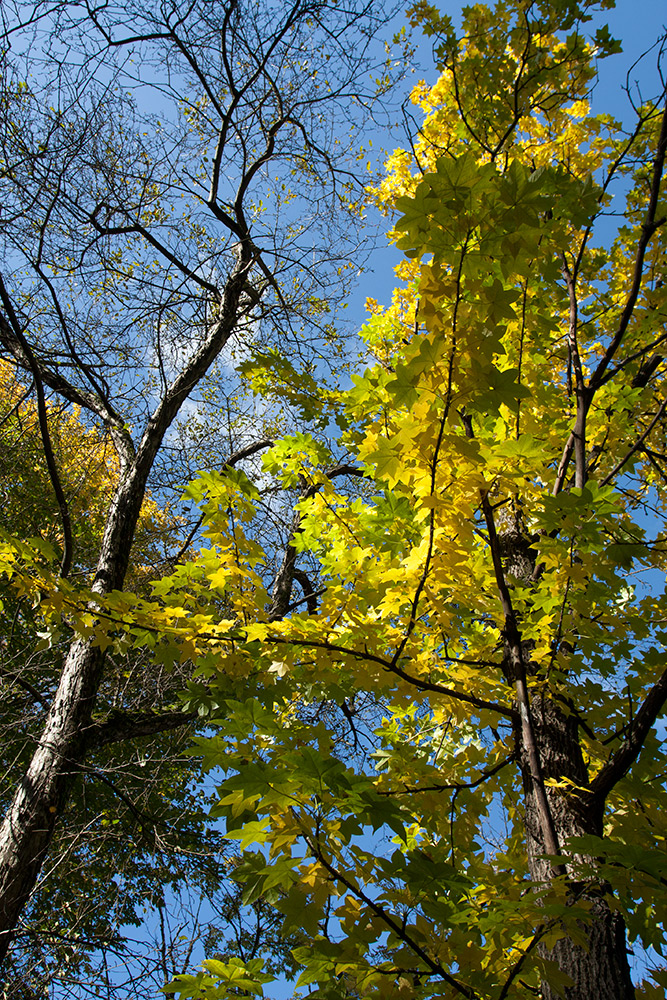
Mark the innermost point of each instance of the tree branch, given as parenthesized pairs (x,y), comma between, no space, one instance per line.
(453,786)
(121,726)
(310,595)
(515,655)
(636,446)
(649,226)
(622,760)
(282,585)
(393,668)
(73,394)
(579,432)
(400,931)
(238,456)
(54,475)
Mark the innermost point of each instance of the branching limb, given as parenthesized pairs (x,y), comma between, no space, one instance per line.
(13,677)
(412,622)
(121,726)
(54,475)
(530,947)
(636,446)
(287,572)
(310,595)
(649,226)
(579,432)
(391,667)
(622,760)
(453,786)
(238,456)
(57,383)
(396,927)
(517,666)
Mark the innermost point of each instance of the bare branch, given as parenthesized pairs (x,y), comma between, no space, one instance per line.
(636,446)
(121,726)
(54,475)
(649,226)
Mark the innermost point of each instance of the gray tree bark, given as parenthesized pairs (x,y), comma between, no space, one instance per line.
(599,970)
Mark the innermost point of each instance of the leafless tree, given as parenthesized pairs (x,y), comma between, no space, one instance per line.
(177,191)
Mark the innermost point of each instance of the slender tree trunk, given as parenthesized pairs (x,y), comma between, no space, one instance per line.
(28,826)
(599,970)
(27,830)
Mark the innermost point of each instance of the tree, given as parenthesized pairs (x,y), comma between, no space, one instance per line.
(176,191)
(136,822)
(453,760)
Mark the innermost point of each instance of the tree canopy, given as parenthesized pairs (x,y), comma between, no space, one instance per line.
(438,709)
(453,765)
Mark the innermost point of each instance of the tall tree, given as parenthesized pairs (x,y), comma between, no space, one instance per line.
(489,622)
(176,184)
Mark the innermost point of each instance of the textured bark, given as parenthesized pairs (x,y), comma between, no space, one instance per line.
(28,826)
(601,970)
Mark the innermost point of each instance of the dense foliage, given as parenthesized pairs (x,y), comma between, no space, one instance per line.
(490,615)
(434,718)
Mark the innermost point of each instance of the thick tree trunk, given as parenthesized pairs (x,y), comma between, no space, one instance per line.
(600,970)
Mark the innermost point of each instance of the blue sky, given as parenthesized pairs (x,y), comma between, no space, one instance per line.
(635,23)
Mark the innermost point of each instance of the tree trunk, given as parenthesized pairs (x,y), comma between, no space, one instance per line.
(28,826)
(599,971)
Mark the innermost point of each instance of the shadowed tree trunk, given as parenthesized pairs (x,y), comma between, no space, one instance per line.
(599,970)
